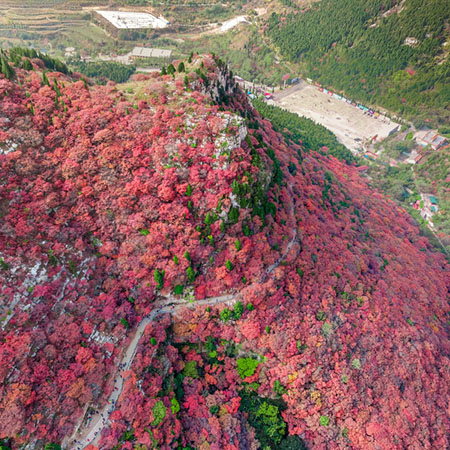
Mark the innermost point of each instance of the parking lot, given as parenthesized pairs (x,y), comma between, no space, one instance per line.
(351,126)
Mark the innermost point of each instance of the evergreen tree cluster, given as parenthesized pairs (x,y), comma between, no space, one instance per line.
(352,46)
(105,70)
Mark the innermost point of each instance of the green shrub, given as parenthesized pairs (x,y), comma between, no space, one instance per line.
(178,290)
(321,316)
(51,446)
(246,367)
(159,413)
(327,330)
(278,388)
(324,421)
(190,369)
(238,310)
(292,442)
(214,410)
(225,314)
(175,406)
(356,364)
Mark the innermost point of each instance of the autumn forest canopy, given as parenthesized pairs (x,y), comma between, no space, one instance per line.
(241,279)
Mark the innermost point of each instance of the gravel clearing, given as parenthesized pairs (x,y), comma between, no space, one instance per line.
(351,125)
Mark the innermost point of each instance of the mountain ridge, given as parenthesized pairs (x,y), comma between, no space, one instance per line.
(111,197)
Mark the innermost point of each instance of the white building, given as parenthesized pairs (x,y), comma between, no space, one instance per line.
(146,52)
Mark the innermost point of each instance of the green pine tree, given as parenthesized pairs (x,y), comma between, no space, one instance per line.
(45,79)
(159,278)
(171,69)
(7,70)
(27,64)
(190,274)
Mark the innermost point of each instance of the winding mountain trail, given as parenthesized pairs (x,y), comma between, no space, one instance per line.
(171,305)
(101,418)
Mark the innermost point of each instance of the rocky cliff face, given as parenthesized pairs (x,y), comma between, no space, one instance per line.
(312,328)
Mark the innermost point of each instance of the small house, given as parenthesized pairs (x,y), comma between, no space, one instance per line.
(146,52)
(432,139)
(433,200)
(370,155)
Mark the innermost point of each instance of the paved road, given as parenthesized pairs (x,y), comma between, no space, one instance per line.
(80,439)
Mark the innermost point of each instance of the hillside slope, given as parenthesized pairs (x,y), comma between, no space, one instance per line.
(389,53)
(114,198)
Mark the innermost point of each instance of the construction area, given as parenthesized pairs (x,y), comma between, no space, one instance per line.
(133,20)
(353,127)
